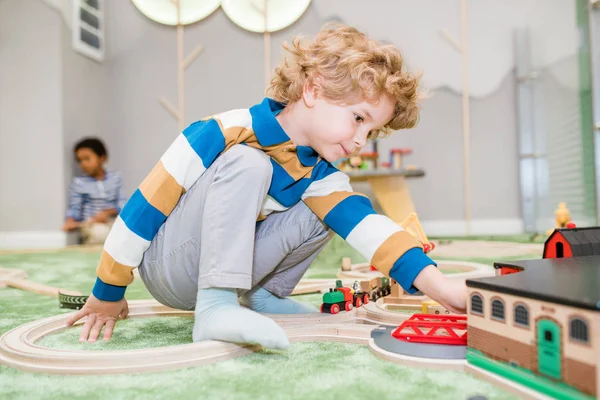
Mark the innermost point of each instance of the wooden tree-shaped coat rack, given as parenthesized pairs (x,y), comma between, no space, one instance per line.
(182,64)
(463,48)
(264,16)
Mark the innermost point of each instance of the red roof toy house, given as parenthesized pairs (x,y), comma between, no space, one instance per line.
(573,242)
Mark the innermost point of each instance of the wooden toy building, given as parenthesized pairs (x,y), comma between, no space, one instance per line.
(539,327)
(573,242)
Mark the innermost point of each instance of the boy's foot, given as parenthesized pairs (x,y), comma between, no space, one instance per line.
(219,316)
(263,301)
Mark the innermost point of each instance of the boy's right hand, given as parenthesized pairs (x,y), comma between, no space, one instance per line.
(99,313)
(70,224)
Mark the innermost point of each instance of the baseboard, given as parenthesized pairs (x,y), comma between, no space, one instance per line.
(457,227)
(33,240)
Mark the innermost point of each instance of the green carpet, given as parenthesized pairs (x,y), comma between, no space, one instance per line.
(305,371)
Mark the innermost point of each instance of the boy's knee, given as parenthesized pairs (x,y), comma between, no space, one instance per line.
(250,162)
(317,228)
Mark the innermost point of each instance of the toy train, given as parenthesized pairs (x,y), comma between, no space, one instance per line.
(376,287)
(345,299)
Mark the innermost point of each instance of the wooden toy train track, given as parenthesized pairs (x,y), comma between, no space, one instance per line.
(18,347)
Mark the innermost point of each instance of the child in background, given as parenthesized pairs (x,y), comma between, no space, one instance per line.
(241,203)
(95,199)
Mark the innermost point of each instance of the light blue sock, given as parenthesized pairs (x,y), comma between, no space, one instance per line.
(261,300)
(219,316)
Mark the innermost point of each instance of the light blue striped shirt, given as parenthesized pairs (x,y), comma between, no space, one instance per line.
(88,196)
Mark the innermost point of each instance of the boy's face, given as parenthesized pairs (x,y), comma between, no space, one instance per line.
(89,162)
(340,130)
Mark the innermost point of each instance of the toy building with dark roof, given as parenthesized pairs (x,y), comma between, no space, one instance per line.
(541,323)
(573,242)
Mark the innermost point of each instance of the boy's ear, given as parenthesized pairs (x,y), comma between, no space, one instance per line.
(310,93)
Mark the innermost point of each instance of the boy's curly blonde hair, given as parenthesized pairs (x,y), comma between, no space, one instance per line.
(349,67)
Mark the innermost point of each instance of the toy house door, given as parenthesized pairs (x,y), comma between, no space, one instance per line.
(548,341)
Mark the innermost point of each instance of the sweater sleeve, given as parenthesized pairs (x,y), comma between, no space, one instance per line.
(188,157)
(389,248)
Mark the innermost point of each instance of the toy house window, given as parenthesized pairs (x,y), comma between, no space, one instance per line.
(521,316)
(498,310)
(578,330)
(476,304)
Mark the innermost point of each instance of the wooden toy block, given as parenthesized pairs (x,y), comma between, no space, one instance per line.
(413,226)
(346,264)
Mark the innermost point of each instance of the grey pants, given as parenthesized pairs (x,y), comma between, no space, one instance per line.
(211,239)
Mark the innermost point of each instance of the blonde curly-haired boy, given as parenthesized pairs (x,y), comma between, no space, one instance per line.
(242,202)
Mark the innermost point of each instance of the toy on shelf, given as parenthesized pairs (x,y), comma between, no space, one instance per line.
(342,298)
(356,162)
(370,160)
(396,156)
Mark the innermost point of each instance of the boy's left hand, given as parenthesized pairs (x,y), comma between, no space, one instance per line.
(455,296)
(450,293)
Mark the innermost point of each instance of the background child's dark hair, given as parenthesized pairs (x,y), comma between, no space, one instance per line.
(93,144)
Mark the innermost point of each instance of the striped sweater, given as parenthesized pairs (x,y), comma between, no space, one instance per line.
(299,174)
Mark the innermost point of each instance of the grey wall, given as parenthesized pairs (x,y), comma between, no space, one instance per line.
(85,100)
(142,61)
(31,131)
(58,96)
(438,147)
(229,74)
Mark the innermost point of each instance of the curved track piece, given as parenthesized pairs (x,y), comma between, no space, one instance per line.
(372,313)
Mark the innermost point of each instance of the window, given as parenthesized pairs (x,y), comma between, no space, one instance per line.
(88,28)
(521,316)
(578,330)
(476,304)
(498,310)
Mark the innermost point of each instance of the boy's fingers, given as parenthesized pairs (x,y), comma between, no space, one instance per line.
(108,329)
(125,312)
(77,316)
(95,332)
(85,331)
